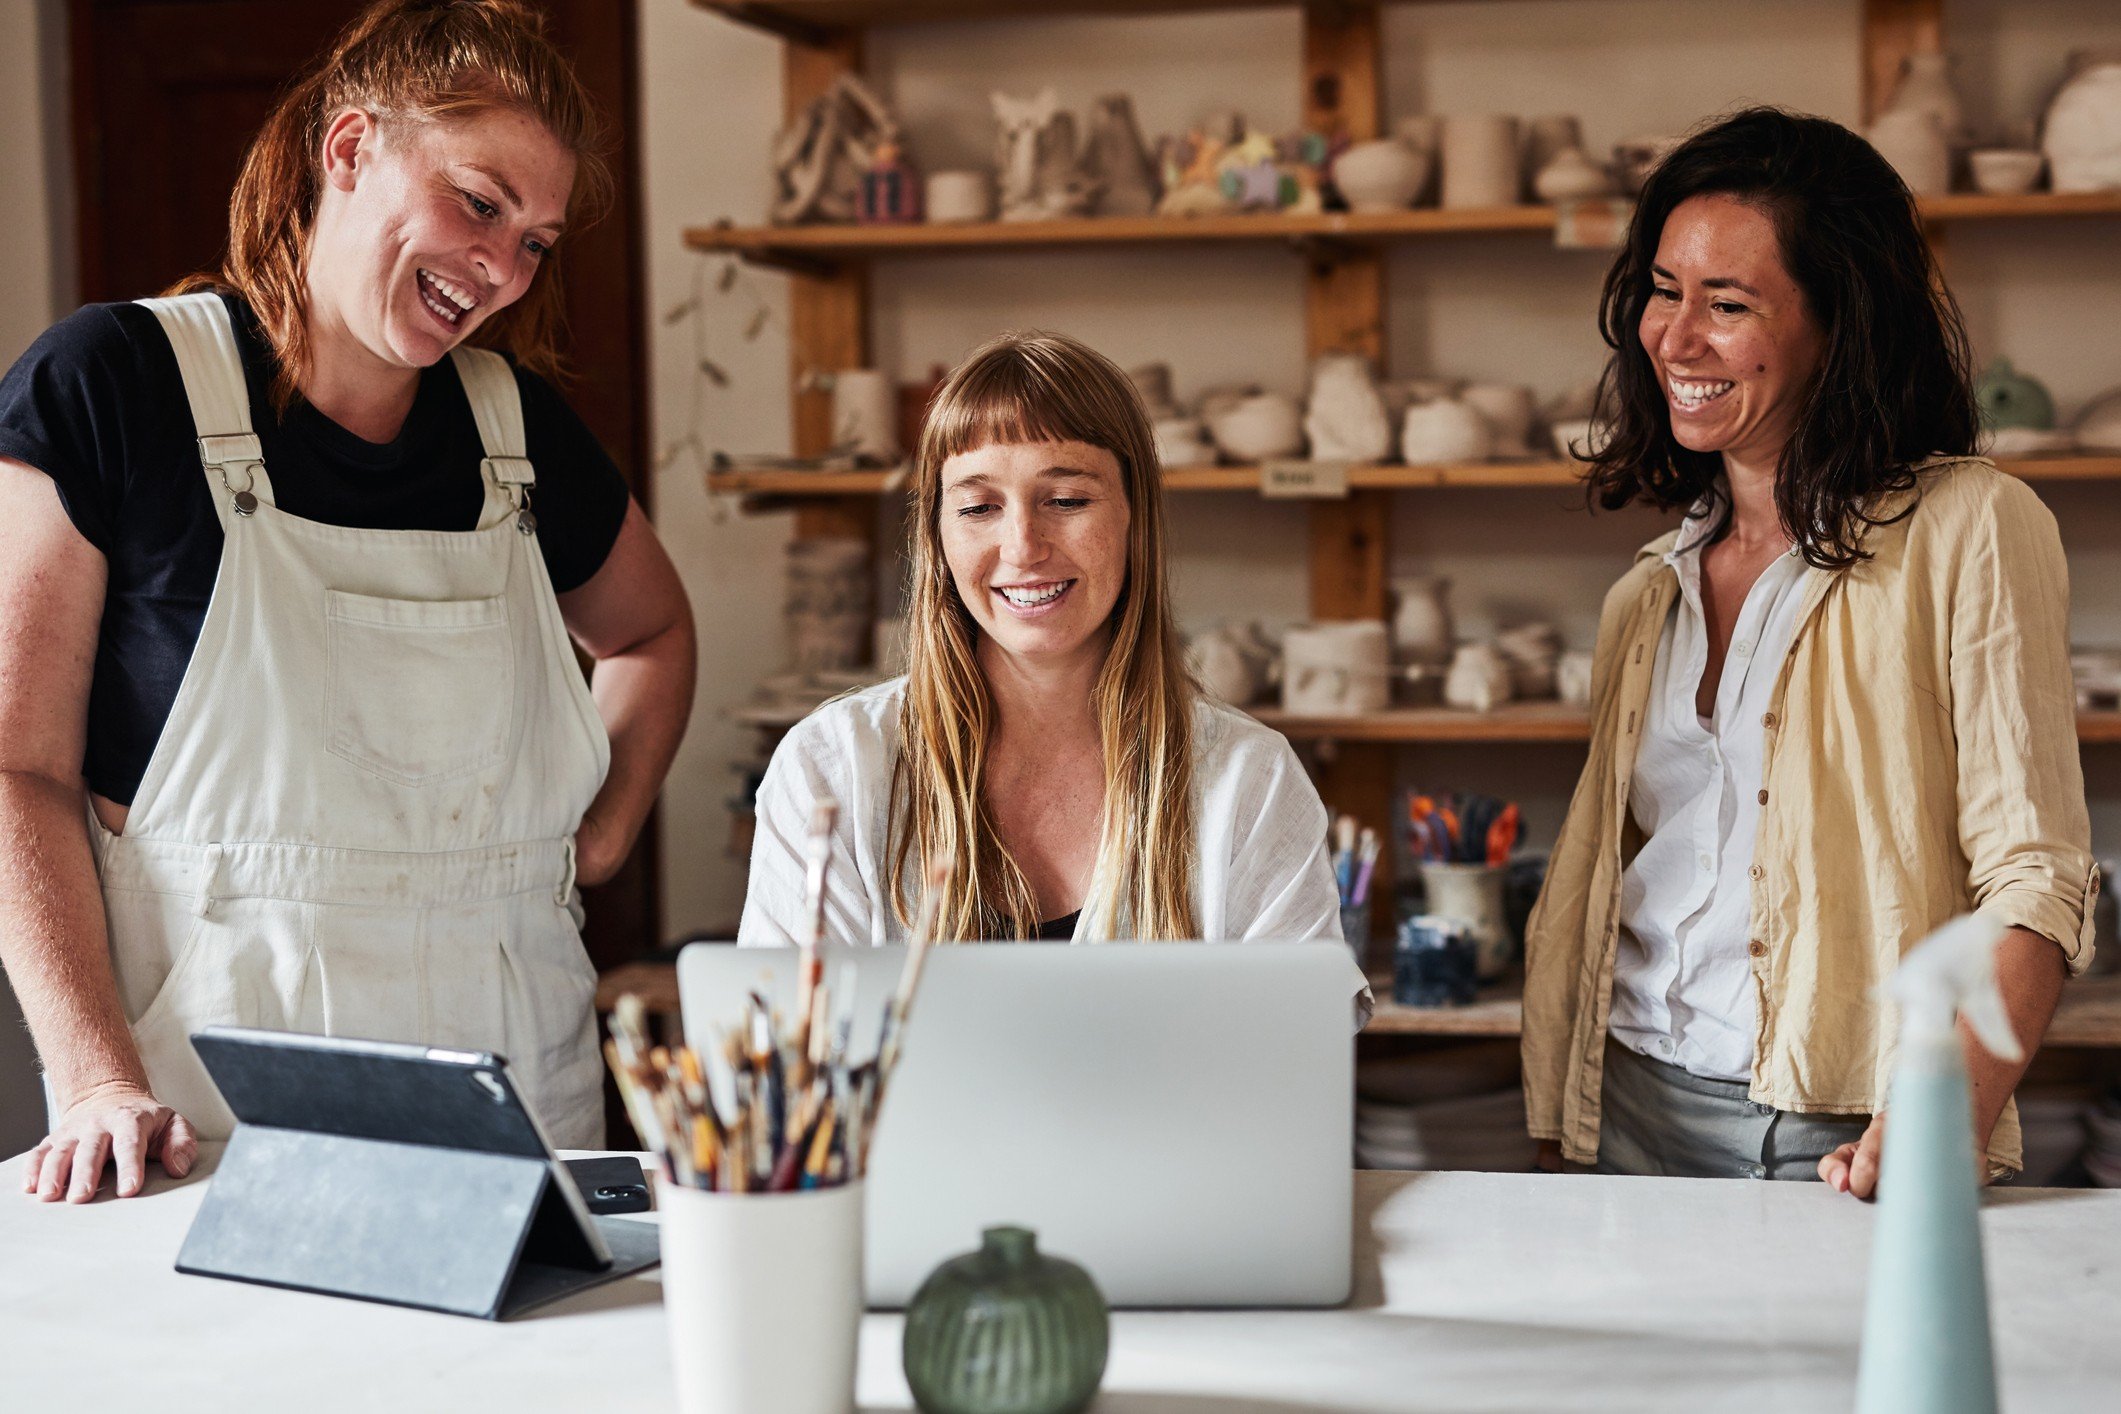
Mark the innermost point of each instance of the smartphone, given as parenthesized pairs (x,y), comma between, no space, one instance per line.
(610,1185)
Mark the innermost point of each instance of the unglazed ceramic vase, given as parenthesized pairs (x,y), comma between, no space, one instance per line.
(1480,162)
(1345,419)
(1570,175)
(1479,680)
(1913,140)
(2083,130)
(1926,87)
(1006,1330)
(1421,621)
(1383,174)
(2007,398)
(1546,138)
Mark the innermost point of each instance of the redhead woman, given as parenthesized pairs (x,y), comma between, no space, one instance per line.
(1047,740)
(293,568)
(1831,711)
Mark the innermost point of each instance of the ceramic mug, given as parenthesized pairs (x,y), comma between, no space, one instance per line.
(1480,162)
(959,196)
(865,414)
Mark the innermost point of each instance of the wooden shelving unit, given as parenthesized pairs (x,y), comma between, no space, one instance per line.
(1343,257)
(1382,477)
(802,245)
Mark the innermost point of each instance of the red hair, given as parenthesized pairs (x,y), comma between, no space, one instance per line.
(415,59)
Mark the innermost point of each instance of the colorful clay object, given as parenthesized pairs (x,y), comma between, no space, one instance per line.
(891,189)
(2010,399)
(1006,1330)
(2082,135)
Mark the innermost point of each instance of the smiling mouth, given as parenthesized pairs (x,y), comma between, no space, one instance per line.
(1030,598)
(445,300)
(1694,393)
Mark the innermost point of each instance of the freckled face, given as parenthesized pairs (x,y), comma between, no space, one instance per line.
(1035,538)
(427,229)
(1728,331)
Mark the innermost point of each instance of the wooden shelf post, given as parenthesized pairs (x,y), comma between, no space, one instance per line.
(1344,312)
(828,313)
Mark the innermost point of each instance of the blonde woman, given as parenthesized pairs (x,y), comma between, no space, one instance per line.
(1047,739)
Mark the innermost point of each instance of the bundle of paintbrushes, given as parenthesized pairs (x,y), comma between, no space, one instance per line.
(1354,860)
(775,1103)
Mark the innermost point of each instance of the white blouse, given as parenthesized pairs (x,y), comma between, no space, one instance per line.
(1683,987)
(1263,873)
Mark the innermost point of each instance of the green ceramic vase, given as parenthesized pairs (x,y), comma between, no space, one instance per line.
(1006,1330)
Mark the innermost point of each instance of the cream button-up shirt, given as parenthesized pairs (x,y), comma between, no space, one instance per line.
(1682,983)
(1920,760)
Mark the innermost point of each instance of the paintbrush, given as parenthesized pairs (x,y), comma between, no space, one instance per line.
(909,977)
(817,858)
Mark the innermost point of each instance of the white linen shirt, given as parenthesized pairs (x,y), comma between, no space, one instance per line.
(1683,988)
(1263,873)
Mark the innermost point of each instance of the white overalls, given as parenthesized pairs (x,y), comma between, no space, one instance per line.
(359,819)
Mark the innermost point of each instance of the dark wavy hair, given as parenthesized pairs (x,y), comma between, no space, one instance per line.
(1894,385)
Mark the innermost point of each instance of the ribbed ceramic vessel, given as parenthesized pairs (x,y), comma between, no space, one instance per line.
(1006,1330)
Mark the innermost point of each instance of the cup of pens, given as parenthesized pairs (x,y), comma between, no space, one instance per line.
(762,1135)
(1355,853)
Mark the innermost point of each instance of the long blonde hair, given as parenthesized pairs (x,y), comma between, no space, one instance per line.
(401,59)
(1021,388)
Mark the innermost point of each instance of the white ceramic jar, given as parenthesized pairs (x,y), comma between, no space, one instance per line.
(1480,162)
(1336,669)
(1445,430)
(959,196)
(1913,140)
(2083,131)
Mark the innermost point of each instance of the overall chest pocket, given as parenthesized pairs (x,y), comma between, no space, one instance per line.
(420,690)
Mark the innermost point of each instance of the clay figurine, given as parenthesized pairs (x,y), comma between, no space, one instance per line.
(1117,161)
(820,158)
(1035,154)
(891,189)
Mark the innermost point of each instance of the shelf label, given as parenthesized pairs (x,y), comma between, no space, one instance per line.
(1303,481)
(1596,223)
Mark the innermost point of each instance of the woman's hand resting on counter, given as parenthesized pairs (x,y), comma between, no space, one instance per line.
(1853,1168)
(1547,1158)
(119,1123)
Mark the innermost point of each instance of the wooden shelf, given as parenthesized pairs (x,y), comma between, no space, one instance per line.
(2089,1015)
(818,20)
(1560,475)
(1518,721)
(804,245)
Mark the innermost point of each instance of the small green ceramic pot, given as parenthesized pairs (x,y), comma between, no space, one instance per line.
(1006,1330)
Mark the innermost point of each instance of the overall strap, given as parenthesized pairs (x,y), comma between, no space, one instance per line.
(205,344)
(497,406)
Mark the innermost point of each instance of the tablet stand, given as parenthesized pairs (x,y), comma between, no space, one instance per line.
(456,1230)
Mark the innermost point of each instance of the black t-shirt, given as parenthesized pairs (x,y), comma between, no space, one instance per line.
(98,405)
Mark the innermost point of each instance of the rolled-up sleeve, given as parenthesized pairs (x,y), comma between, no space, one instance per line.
(2022,820)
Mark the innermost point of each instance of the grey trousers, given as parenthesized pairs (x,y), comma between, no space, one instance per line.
(1663,1121)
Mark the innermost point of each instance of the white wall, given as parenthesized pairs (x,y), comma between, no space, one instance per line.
(36,252)
(2049,294)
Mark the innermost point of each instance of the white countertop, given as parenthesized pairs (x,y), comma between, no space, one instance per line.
(1473,1292)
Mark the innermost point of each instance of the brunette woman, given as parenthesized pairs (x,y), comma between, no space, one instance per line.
(1831,710)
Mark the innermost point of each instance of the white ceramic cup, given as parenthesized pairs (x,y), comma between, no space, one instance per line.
(763,1292)
(865,413)
(959,196)
(1480,162)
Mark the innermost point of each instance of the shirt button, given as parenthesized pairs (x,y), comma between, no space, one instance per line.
(1741,649)
(1763,797)
(1756,948)
(1757,872)
(1708,861)
(1768,720)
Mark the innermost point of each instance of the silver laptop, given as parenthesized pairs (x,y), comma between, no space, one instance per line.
(1176,1117)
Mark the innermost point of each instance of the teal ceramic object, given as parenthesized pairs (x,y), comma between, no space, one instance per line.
(1006,1330)
(2010,399)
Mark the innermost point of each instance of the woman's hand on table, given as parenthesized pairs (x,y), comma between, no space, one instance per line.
(1547,1158)
(120,1124)
(1853,1168)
